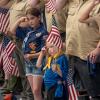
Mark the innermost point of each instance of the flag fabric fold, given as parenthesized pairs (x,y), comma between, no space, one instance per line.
(71,88)
(4,19)
(54,35)
(50,5)
(9,63)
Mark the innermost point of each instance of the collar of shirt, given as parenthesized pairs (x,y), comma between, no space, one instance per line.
(36,29)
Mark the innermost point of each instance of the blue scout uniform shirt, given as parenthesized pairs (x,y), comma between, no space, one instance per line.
(51,78)
(36,37)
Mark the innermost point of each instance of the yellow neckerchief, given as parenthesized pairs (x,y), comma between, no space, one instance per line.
(49,59)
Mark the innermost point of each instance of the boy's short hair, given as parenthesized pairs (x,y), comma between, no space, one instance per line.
(33,11)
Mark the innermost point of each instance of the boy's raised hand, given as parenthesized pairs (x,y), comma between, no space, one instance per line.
(93,55)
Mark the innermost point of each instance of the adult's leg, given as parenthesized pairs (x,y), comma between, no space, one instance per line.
(1,77)
(27,92)
(91,83)
(77,81)
(14,84)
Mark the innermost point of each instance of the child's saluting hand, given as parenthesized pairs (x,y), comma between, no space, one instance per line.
(22,19)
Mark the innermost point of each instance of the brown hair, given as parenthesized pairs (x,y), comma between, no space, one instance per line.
(33,11)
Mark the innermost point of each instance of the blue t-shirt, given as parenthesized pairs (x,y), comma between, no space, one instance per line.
(37,37)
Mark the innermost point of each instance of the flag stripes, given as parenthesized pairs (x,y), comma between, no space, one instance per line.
(71,88)
(9,63)
(55,30)
(72,93)
(4,19)
(0,55)
(10,47)
(51,6)
(54,36)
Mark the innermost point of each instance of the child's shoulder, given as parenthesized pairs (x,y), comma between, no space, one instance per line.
(63,56)
(62,60)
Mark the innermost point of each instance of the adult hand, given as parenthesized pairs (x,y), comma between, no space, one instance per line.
(93,55)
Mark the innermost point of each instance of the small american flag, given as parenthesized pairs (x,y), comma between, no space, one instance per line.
(9,63)
(0,55)
(71,88)
(54,36)
(50,5)
(4,19)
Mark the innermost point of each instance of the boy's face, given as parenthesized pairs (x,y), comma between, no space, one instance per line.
(33,20)
(52,50)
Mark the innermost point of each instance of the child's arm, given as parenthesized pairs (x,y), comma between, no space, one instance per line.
(18,22)
(31,56)
(40,59)
(85,15)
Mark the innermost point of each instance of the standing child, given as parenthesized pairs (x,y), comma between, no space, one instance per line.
(32,45)
(56,68)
